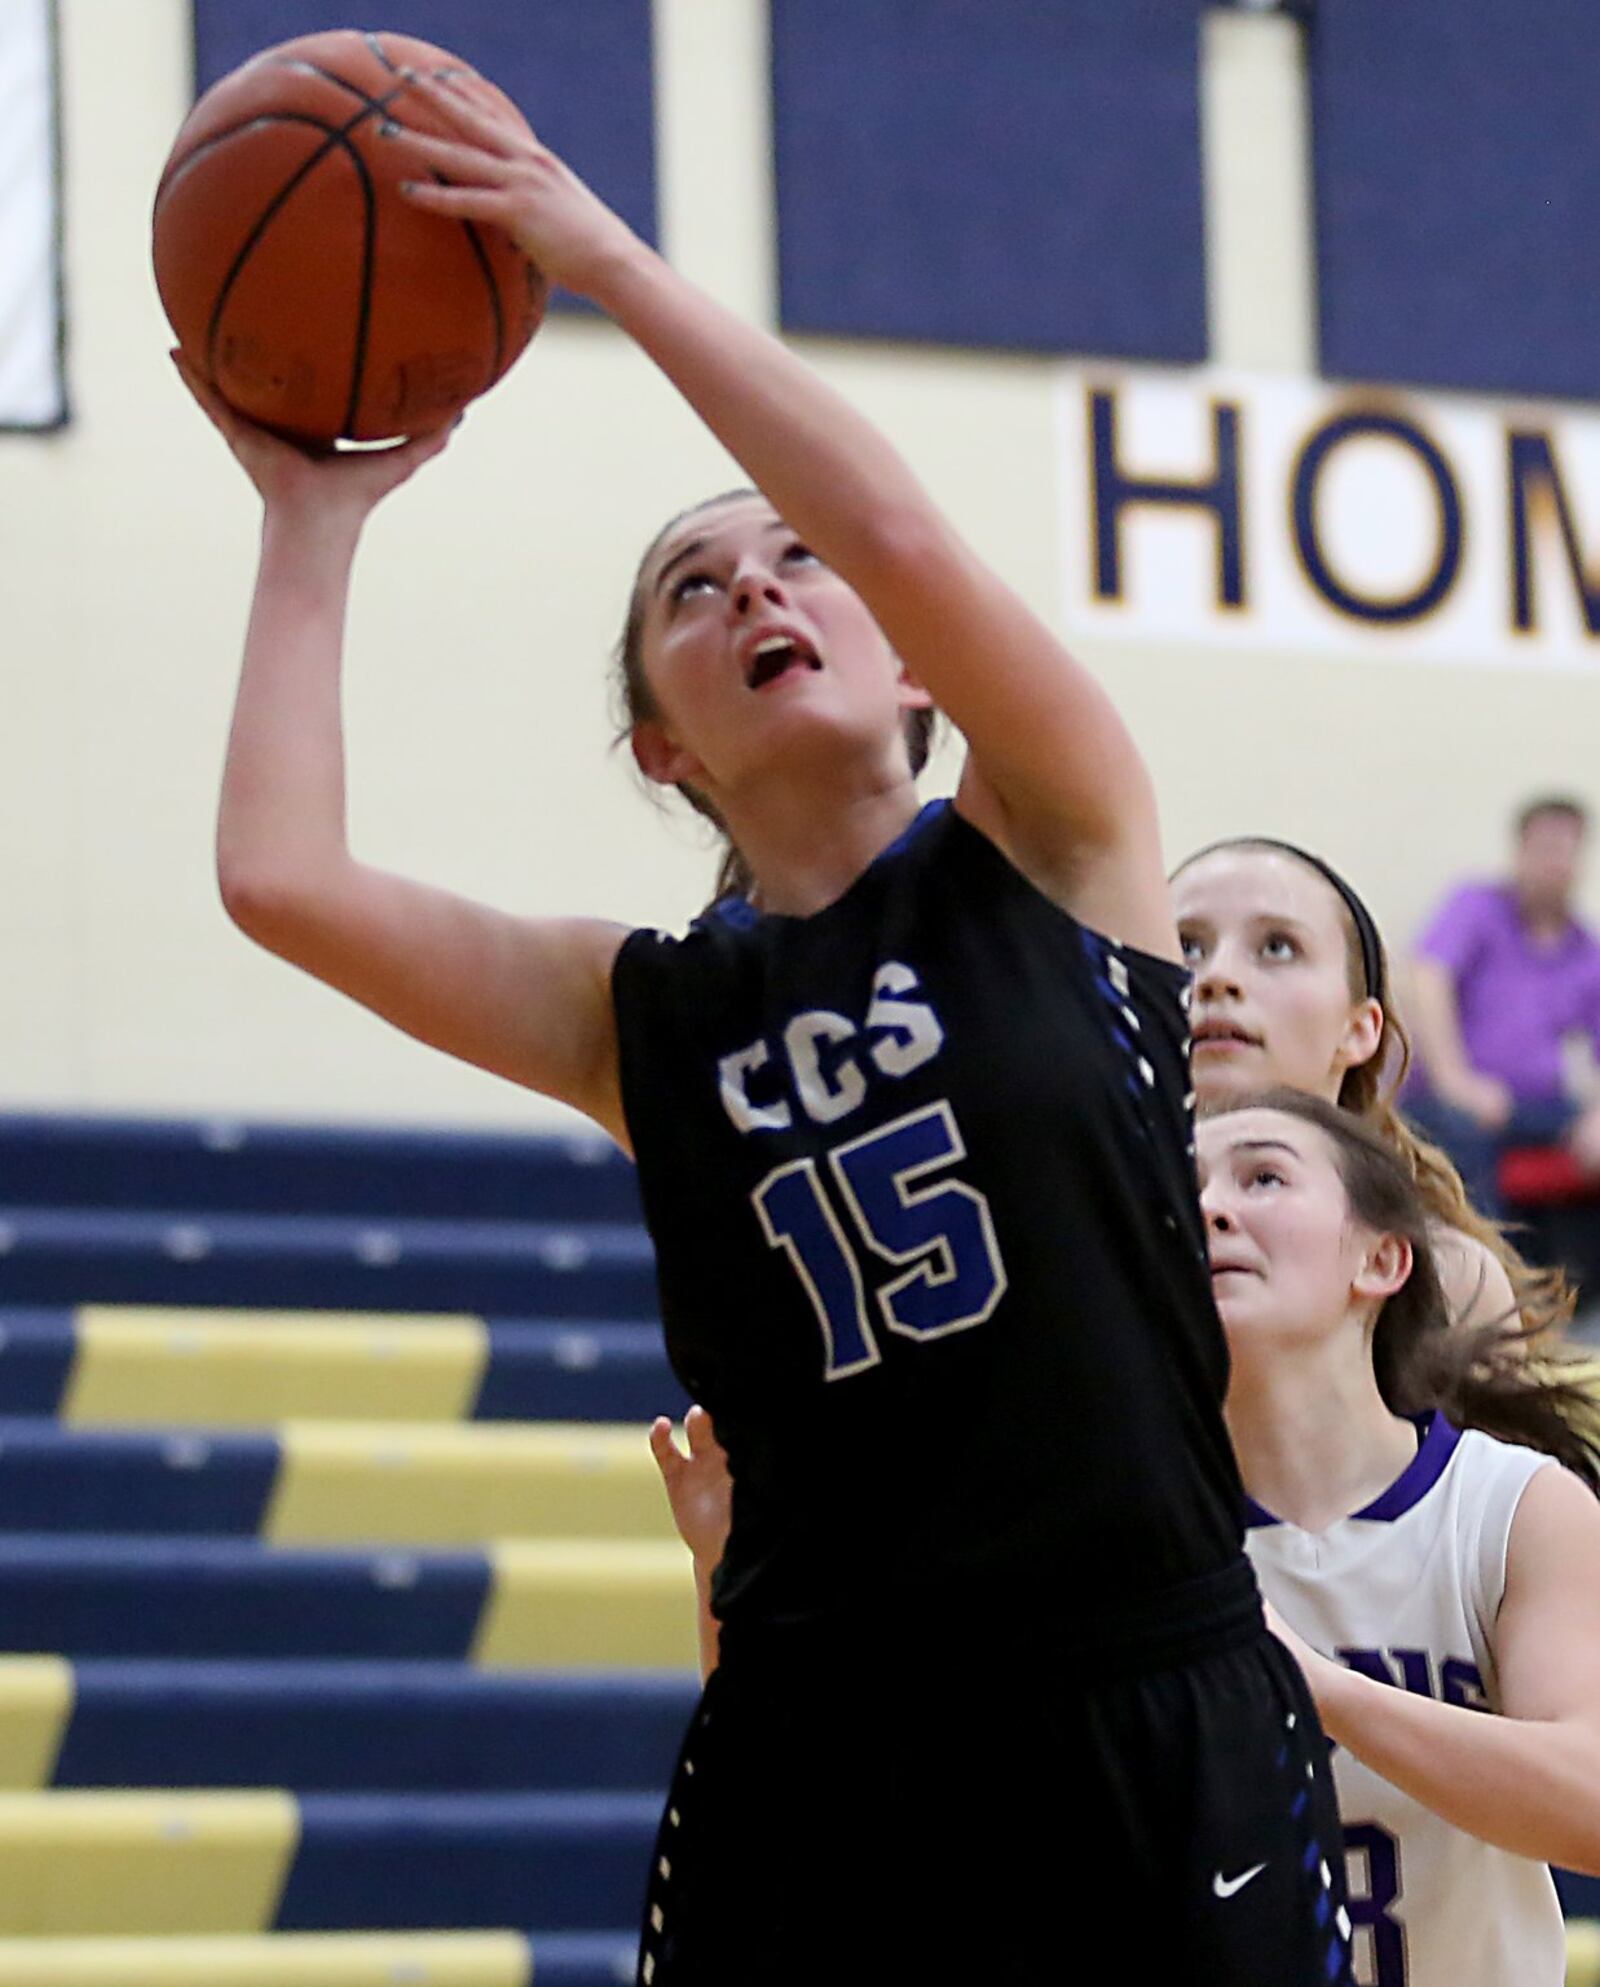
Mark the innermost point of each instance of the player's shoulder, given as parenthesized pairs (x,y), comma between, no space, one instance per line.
(1489,1475)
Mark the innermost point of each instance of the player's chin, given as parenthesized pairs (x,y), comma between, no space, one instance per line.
(1240,1300)
(1222,1071)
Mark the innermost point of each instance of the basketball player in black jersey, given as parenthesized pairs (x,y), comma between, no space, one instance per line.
(913,1137)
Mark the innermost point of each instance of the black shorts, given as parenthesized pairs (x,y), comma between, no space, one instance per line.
(884,1808)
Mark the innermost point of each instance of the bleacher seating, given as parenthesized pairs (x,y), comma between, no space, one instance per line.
(344,1638)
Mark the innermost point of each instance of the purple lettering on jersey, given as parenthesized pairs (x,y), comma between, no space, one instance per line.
(1459,1681)
(1463,1685)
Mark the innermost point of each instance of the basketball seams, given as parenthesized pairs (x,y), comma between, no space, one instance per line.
(293,141)
(369,234)
(496,306)
(202,147)
(480,255)
(337,141)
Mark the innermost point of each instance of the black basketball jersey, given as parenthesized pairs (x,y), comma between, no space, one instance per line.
(919,1174)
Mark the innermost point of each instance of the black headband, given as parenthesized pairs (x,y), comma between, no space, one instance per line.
(1366,930)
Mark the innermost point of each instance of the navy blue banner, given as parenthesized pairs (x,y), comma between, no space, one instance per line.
(992,173)
(580,70)
(1457,157)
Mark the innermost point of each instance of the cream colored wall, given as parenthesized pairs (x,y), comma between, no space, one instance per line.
(487,601)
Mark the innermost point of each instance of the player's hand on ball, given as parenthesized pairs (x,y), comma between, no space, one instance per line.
(497,171)
(698,1485)
(285,473)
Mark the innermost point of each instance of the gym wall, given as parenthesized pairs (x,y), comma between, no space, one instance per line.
(926,267)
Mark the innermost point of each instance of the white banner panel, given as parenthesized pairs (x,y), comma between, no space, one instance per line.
(1287,513)
(32,390)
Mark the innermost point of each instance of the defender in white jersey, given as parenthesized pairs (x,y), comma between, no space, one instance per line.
(1407,1591)
(1424,1574)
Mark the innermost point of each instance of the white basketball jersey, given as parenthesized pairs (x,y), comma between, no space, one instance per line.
(1407,1592)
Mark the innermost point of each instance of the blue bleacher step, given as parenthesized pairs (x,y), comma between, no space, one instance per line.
(75,1595)
(219,1164)
(585,1959)
(37,1347)
(75,1255)
(391,1862)
(55,1479)
(369,1727)
(1580,1895)
(577,1370)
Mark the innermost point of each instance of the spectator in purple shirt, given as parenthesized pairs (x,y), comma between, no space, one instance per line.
(1502,976)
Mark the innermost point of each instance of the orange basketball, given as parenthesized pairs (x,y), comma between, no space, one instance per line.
(299,281)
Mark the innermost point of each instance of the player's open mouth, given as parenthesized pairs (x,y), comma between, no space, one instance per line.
(775,656)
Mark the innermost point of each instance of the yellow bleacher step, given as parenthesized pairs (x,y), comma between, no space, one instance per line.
(588,1603)
(36,1697)
(245,1369)
(443,1484)
(142,1863)
(1583,1953)
(274,1959)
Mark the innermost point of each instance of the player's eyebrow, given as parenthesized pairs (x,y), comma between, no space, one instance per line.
(1265,1145)
(1279,918)
(698,545)
(689,551)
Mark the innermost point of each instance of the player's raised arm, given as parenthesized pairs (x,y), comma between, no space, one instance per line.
(1053,775)
(528,999)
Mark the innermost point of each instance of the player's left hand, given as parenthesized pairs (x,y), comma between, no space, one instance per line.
(698,1485)
(498,171)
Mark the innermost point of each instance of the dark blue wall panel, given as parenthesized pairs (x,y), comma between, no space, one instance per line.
(579,70)
(992,172)
(1457,155)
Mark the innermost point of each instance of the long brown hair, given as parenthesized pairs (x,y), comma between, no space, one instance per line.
(1477,1376)
(1544,1297)
(636,701)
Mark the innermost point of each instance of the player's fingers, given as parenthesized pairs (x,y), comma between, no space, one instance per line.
(665,1450)
(697,1426)
(473,113)
(235,430)
(448,155)
(419,449)
(207,395)
(473,203)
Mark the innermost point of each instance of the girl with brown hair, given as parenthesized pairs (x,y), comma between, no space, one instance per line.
(1427,1559)
(912,1136)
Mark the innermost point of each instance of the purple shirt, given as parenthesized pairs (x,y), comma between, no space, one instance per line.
(1516,999)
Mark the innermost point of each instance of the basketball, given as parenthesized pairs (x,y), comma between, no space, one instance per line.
(299,280)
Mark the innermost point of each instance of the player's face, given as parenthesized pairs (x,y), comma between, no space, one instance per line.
(752,647)
(1288,1260)
(1265,939)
